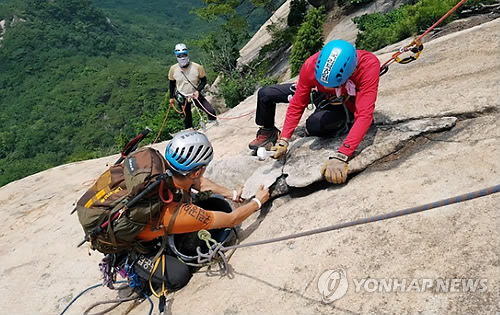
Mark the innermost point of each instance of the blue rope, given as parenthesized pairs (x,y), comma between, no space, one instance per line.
(81,293)
(425,207)
(150,303)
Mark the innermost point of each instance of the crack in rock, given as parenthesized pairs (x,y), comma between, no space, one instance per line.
(306,154)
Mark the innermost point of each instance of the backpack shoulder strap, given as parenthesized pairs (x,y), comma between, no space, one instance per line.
(168,230)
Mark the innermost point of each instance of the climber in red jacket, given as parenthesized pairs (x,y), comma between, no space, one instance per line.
(347,80)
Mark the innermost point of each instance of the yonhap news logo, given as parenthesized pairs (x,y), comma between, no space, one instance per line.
(333,285)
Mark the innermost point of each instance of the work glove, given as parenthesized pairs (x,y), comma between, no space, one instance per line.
(335,169)
(280,149)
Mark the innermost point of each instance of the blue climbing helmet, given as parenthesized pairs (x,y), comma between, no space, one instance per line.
(180,49)
(189,150)
(336,63)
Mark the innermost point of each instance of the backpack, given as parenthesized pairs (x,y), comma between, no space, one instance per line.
(123,200)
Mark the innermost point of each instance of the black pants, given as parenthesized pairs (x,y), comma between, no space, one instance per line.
(188,242)
(188,116)
(177,274)
(325,121)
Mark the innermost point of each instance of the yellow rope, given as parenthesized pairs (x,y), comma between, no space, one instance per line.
(164,291)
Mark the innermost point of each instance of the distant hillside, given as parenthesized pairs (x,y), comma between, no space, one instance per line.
(80,77)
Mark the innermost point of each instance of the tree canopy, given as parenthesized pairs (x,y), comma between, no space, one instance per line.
(77,81)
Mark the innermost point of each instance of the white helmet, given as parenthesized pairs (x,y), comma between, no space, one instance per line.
(188,150)
(180,49)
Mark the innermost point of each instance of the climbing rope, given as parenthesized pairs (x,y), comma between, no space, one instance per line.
(164,291)
(223,118)
(460,198)
(162,125)
(119,301)
(416,45)
(116,302)
(83,292)
(181,112)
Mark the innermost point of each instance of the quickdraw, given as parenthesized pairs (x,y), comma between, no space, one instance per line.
(415,47)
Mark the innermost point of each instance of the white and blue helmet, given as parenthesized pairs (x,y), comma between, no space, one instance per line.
(180,49)
(336,63)
(188,151)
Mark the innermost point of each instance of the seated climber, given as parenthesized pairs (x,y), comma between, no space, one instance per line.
(348,81)
(188,155)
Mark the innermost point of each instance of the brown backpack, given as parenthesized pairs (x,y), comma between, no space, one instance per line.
(123,200)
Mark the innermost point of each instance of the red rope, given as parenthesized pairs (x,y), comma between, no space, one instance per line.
(162,125)
(407,48)
(224,118)
(440,20)
(183,112)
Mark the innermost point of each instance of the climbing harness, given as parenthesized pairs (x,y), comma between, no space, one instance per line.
(214,252)
(416,45)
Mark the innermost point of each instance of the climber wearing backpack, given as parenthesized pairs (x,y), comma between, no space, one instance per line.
(137,206)
(188,155)
(348,81)
(187,80)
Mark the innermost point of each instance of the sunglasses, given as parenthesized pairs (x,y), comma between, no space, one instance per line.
(181,55)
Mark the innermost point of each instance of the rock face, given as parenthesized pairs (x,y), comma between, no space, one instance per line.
(435,136)
(262,37)
(307,154)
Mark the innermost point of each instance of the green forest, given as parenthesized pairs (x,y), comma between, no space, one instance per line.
(78,78)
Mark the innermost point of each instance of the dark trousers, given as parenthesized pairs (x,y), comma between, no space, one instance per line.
(326,120)
(188,242)
(267,97)
(177,274)
(188,116)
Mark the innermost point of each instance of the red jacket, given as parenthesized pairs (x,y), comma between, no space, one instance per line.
(365,77)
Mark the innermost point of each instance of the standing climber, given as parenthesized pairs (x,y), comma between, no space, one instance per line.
(343,83)
(187,80)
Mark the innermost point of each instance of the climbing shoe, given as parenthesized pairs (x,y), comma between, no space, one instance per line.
(266,137)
